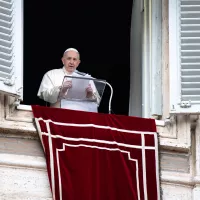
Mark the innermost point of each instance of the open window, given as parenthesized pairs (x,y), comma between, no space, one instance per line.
(145,93)
(11,47)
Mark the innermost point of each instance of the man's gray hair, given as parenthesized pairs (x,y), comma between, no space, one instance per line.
(71,49)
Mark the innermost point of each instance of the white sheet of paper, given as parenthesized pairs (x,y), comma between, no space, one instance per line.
(78,90)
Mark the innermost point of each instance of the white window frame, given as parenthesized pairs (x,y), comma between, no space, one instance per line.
(146,74)
(151,41)
(152,56)
(174,56)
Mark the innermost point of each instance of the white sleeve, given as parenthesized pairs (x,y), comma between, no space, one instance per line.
(95,91)
(47,91)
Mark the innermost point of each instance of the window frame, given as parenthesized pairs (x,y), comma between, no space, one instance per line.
(174,55)
(146,66)
(150,36)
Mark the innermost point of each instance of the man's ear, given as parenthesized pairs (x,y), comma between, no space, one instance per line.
(78,64)
(62,59)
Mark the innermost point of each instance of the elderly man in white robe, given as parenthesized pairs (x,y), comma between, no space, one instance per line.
(53,81)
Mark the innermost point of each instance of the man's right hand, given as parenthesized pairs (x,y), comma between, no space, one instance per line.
(66,85)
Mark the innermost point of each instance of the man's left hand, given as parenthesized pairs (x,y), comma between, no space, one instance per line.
(89,91)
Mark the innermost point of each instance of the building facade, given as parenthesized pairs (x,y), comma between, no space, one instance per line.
(165,80)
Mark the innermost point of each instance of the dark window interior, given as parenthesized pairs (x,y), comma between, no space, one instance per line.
(100,30)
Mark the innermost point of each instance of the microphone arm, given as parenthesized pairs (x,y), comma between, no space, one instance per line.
(111,94)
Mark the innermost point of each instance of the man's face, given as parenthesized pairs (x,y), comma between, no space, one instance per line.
(71,61)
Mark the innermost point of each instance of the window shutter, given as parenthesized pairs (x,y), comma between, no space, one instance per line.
(11,54)
(184,56)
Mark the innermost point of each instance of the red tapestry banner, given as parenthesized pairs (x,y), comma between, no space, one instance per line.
(94,156)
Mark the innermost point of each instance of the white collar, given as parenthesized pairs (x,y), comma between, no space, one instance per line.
(66,72)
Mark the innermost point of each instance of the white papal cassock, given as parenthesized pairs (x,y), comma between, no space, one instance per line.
(50,89)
